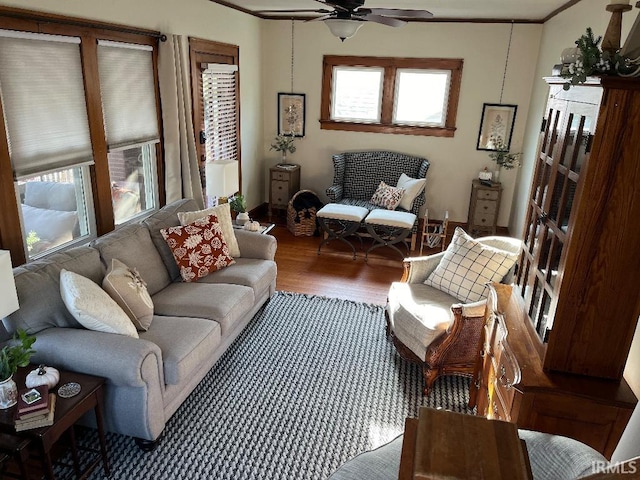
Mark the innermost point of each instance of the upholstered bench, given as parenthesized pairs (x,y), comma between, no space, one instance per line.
(388,228)
(339,222)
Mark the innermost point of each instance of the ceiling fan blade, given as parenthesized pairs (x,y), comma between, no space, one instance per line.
(392,22)
(402,13)
(324,17)
(333,5)
(275,12)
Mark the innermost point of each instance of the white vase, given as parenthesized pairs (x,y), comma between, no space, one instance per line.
(496,175)
(242,218)
(8,393)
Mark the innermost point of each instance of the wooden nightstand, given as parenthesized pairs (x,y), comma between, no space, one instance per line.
(283,184)
(484,207)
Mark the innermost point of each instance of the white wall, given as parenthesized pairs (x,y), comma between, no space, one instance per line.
(454,161)
(195,18)
(559,33)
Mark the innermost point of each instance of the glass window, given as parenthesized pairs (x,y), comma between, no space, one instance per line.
(357,94)
(421,97)
(54,209)
(133,179)
(413,96)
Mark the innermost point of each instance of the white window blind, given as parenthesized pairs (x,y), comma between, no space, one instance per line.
(127,85)
(44,102)
(422,97)
(220,114)
(357,94)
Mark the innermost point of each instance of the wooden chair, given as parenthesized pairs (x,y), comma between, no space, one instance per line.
(434,232)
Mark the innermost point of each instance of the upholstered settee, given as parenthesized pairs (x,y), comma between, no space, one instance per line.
(147,378)
(358,174)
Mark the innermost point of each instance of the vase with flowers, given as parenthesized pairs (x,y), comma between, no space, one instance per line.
(16,354)
(504,159)
(284,144)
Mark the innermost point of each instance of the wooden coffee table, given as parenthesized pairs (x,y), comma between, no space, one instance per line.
(67,412)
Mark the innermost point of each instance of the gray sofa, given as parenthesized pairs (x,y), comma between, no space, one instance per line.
(148,378)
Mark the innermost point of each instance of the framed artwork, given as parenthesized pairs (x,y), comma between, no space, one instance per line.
(291,111)
(496,126)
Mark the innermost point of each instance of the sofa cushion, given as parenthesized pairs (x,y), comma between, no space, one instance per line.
(250,272)
(132,245)
(164,218)
(418,314)
(223,212)
(468,265)
(199,248)
(387,196)
(182,354)
(224,303)
(129,290)
(92,307)
(38,287)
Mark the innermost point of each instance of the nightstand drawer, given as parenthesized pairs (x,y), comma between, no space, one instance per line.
(484,219)
(484,194)
(280,193)
(279,175)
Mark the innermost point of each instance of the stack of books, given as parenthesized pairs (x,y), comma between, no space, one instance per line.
(36,413)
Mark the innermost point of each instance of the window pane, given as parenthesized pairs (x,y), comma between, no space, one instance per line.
(54,209)
(357,94)
(421,97)
(133,179)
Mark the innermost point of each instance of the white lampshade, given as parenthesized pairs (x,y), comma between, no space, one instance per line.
(222,178)
(343,28)
(9,297)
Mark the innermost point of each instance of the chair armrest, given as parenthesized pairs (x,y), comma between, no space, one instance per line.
(418,269)
(118,358)
(256,245)
(334,192)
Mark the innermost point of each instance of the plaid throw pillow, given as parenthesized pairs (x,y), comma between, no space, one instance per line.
(467,266)
(198,248)
(387,196)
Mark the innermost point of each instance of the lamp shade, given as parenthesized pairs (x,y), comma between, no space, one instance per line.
(222,178)
(343,28)
(9,297)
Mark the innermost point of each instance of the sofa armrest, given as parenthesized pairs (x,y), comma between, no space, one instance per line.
(418,269)
(334,192)
(118,358)
(256,245)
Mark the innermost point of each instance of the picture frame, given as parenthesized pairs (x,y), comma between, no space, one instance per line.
(291,114)
(496,126)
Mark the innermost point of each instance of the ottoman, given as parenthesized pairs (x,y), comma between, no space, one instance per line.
(340,221)
(388,228)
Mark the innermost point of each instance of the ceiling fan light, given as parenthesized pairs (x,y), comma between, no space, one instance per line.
(343,28)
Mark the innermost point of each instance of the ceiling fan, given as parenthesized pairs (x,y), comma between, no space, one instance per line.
(348,16)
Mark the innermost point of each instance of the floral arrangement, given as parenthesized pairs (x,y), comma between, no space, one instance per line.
(283,143)
(591,61)
(503,158)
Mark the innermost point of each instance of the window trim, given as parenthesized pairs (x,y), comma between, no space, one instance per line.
(390,65)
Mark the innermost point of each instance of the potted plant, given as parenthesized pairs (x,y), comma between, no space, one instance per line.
(13,355)
(283,144)
(239,204)
(504,159)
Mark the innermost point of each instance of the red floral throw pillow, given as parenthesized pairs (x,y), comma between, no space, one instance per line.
(198,248)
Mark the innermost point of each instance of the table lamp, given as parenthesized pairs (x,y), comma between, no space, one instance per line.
(221,179)
(9,297)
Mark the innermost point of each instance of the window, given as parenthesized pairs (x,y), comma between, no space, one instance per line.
(411,96)
(79,131)
(216,105)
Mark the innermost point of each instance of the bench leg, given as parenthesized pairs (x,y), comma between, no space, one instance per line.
(338,230)
(388,237)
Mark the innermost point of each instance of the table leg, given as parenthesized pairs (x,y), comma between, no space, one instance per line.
(48,465)
(101,437)
(74,450)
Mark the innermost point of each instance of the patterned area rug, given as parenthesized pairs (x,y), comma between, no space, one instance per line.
(309,384)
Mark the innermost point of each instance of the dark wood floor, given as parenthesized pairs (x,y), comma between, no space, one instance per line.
(333,273)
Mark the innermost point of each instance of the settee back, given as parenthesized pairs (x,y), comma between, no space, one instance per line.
(360,173)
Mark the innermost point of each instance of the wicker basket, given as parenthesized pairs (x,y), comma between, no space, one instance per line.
(302,223)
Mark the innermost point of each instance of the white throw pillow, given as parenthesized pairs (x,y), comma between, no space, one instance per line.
(129,290)
(92,307)
(412,188)
(467,266)
(223,212)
